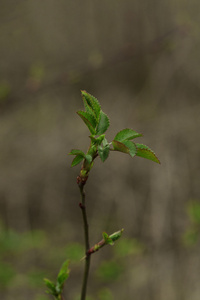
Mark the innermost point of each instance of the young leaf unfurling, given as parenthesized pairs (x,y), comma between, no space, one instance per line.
(57,288)
(95,119)
(91,103)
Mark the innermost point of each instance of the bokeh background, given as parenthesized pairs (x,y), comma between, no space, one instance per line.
(141,60)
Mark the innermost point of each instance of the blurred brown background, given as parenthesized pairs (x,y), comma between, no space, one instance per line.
(141,60)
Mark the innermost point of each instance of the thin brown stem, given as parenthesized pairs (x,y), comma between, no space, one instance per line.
(87,244)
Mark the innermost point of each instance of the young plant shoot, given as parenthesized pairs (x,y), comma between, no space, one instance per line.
(124,141)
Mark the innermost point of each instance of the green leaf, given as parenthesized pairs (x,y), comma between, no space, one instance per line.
(77,159)
(100,139)
(88,109)
(97,141)
(145,152)
(51,286)
(131,146)
(64,268)
(107,239)
(105,142)
(105,236)
(116,235)
(80,155)
(92,102)
(61,280)
(103,123)
(88,157)
(89,120)
(126,134)
(77,152)
(92,150)
(104,152)
(118,146)
(62,276)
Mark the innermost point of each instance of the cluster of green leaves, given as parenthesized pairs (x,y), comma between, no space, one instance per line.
(107,240)
(110,239)
(193,233)
(98,122)
(56,289)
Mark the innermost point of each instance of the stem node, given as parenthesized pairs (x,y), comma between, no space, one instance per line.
(81,206)
(81,181)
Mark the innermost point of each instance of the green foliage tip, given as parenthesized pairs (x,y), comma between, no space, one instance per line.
(55,289)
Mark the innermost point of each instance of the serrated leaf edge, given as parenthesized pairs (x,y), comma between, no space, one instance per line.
(148,150)
(122,144)
(83,115)
(94,104)
(130,138)
(101,130)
